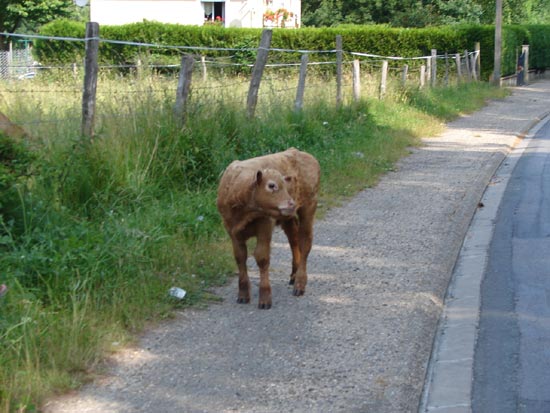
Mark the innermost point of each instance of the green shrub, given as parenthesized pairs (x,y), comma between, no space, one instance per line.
(15,163)
(539,46)
(380,40)
(61,51)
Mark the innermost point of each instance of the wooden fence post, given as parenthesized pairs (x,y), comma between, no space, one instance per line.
(473,68)
(139,69)
(433,72)
(478,59)
(496,76)
(257,72)
(184,85)
(75,71)
(90,79)
(203,66)
(458,68)
(467,63)
(446,77)
(525,50)
(339,63)
(10,59)
(383,79)
(422,76)
(404,75)
(428,72)
(356,80)
(301,83)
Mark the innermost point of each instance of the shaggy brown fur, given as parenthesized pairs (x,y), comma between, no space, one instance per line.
(255,195)
(8,128)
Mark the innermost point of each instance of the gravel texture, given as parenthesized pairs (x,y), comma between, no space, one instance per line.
(361,337)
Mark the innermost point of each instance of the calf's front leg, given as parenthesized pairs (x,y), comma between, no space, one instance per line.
(262,256)
(241,254)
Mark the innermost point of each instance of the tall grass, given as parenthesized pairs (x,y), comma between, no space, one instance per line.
(103,229)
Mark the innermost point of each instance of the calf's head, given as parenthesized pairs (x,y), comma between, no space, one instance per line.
(271,193)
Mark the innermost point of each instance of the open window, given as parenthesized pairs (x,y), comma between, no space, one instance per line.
(214,11)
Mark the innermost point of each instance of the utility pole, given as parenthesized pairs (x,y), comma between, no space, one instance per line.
(498,42)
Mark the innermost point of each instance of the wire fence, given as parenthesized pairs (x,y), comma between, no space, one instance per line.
(15,63)
(150,55)
(126,71)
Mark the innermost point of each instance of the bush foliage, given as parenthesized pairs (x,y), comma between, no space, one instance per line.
(379,40)
(539,41)
(15,163)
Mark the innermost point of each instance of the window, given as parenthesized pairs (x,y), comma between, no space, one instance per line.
(214,11)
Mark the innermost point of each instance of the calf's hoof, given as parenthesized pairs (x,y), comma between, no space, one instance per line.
(297,292)
(264,306)
(243,300)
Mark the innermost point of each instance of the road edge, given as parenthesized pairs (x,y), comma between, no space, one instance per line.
(449,374)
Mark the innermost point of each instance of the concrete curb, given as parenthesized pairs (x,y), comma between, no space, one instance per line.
(449,375)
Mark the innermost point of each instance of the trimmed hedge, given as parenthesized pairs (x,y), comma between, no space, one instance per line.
(513,37)
(539,49)
(379,40)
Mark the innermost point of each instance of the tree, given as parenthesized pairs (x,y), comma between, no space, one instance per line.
(517,11)
(420,13)
(322,13)
(458,11)
(403,13)
(335,12)
(30,14)
(417,14)
(538,11)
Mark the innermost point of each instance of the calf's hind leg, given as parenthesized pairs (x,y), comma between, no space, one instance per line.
(305,240)
(290,228)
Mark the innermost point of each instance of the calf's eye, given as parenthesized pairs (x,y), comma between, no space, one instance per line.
(272,186)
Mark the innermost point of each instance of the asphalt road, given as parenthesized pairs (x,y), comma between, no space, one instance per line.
(512,356)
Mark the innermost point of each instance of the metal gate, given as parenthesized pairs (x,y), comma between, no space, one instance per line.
(16,63)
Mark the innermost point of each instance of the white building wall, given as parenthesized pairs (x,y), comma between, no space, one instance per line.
(116,12)
(243,13)
(238,13)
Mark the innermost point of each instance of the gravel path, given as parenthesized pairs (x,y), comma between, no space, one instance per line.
(361,337)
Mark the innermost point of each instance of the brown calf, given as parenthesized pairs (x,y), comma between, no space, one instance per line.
(255,195)
(8,128)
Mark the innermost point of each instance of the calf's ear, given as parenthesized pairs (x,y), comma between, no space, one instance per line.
(259,177)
